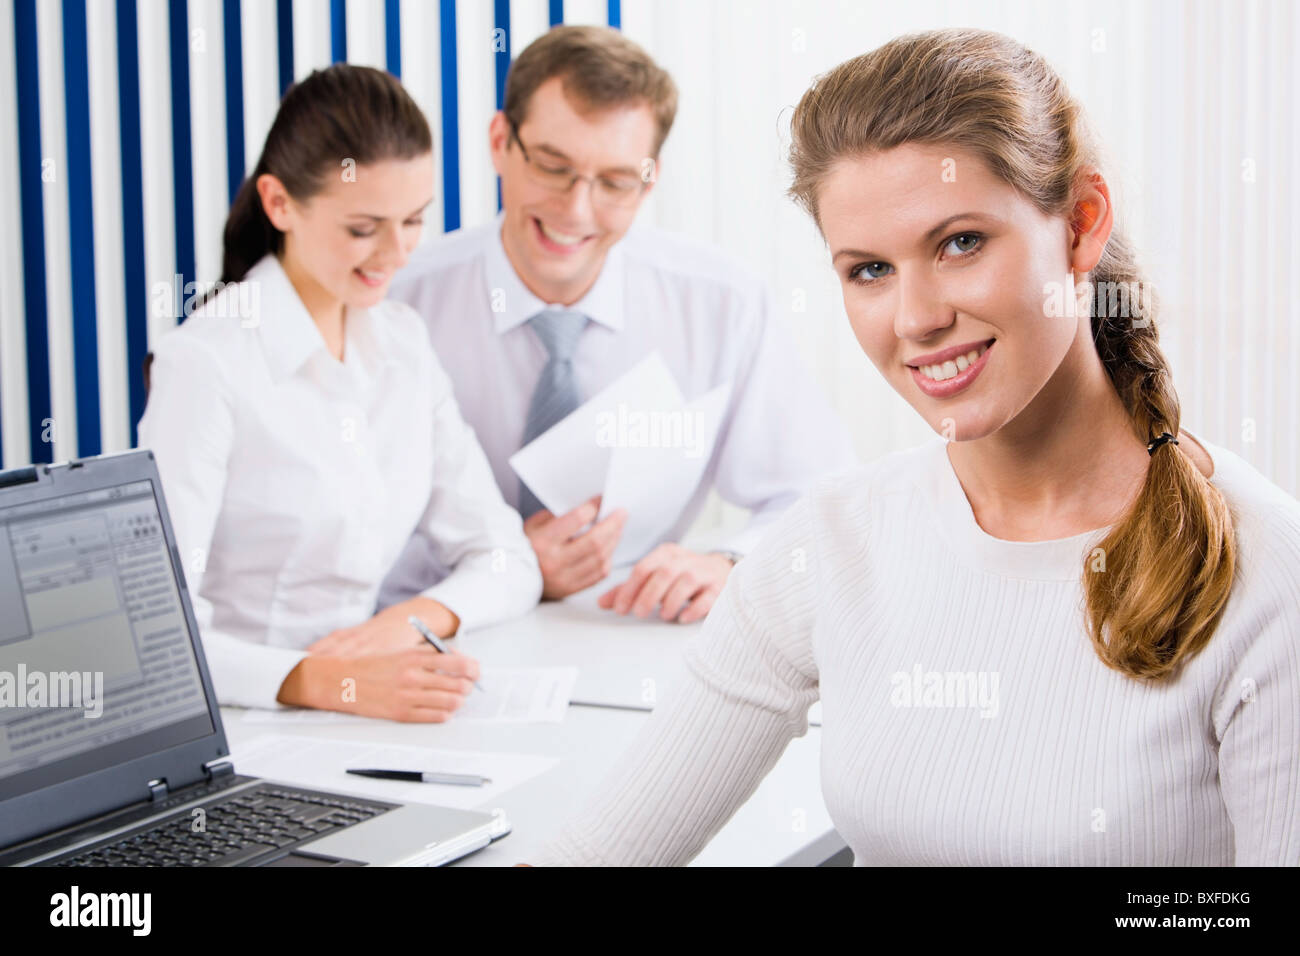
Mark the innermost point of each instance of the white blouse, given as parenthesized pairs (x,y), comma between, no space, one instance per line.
(293,480)
(967,719)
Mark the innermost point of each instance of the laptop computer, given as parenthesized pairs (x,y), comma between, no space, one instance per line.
(112,750)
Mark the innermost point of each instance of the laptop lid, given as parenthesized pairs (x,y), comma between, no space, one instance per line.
(103,684)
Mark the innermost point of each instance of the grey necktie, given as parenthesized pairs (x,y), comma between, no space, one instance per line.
(556,394)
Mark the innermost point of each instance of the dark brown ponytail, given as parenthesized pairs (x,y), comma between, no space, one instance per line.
(342,113)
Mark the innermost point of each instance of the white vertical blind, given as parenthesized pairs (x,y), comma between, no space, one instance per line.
(1195,102)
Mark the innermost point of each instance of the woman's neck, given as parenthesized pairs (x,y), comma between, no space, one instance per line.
(1070,462)
(325,309)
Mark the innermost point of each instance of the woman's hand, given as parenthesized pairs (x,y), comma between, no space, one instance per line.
(389,630)
(415,684)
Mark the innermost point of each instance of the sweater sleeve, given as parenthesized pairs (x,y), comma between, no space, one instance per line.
(1257,719)
(747,681)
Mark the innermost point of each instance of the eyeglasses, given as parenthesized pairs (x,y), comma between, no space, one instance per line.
(611,190)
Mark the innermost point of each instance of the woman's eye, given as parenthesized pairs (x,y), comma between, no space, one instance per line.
(415,222)
(361,234)
(872,270)
(965,242)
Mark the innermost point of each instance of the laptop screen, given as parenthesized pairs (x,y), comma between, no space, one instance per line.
(97,666)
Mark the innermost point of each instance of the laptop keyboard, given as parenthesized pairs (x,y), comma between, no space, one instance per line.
(243,827)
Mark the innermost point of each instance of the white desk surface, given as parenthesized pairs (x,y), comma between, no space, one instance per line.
(784,823)
(621,659)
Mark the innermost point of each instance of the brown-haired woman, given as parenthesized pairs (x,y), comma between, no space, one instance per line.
(304,428)
(1065,632)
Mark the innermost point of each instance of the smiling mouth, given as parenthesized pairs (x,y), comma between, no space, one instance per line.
(951,368)
(558,241)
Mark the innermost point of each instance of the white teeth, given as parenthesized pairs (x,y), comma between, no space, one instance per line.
(562,238)
(372,276)
(948,369)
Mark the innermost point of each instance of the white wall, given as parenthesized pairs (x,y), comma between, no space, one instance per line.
(1196,102)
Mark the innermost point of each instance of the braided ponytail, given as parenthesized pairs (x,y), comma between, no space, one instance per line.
(1170,559)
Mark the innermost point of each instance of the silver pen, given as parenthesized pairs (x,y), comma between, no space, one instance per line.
(432,638)
(425,776)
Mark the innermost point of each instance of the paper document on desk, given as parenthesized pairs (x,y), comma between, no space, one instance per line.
(510,695)
(638,443)
(322,764)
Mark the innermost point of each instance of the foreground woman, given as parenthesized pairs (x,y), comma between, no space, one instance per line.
(1063,633)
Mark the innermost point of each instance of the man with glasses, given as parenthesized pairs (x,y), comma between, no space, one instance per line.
(559,296)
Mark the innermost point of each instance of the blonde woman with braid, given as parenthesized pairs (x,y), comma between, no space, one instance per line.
(1063,631)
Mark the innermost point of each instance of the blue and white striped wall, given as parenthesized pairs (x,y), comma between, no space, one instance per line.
(129,125)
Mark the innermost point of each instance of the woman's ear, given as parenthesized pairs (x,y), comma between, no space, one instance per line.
(275,200)
(1091,221)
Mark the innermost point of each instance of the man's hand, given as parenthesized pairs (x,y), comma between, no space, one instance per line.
(389,630)
(684,582)
(571,561)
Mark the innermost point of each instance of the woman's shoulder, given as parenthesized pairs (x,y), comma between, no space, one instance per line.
(1263,510)
(1266,523)
(207,339)
(221,326)
(899,473)
(837,513)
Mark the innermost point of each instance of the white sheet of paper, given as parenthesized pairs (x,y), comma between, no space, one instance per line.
(567,464)
(654,472)
(321,763)
(510,695)
(538,695)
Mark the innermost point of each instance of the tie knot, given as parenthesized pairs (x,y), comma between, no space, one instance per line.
(559,330)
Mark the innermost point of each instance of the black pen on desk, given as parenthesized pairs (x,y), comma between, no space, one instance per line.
(425,776)
(432,638)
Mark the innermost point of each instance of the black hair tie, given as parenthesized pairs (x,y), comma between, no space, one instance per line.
(1157,442)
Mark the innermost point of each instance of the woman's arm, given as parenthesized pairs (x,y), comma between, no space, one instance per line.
(1257,719)
(473,531)
(748,680)
(189,425)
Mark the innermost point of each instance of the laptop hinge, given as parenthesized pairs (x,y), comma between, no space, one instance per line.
(157,790)
(219,768)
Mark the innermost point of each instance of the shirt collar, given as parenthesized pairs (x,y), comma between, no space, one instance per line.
(289,335)
(603,302)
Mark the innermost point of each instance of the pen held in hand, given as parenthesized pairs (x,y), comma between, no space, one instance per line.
(432,638)
(425,776)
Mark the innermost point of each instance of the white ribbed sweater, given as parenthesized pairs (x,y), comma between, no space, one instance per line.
(880,594)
